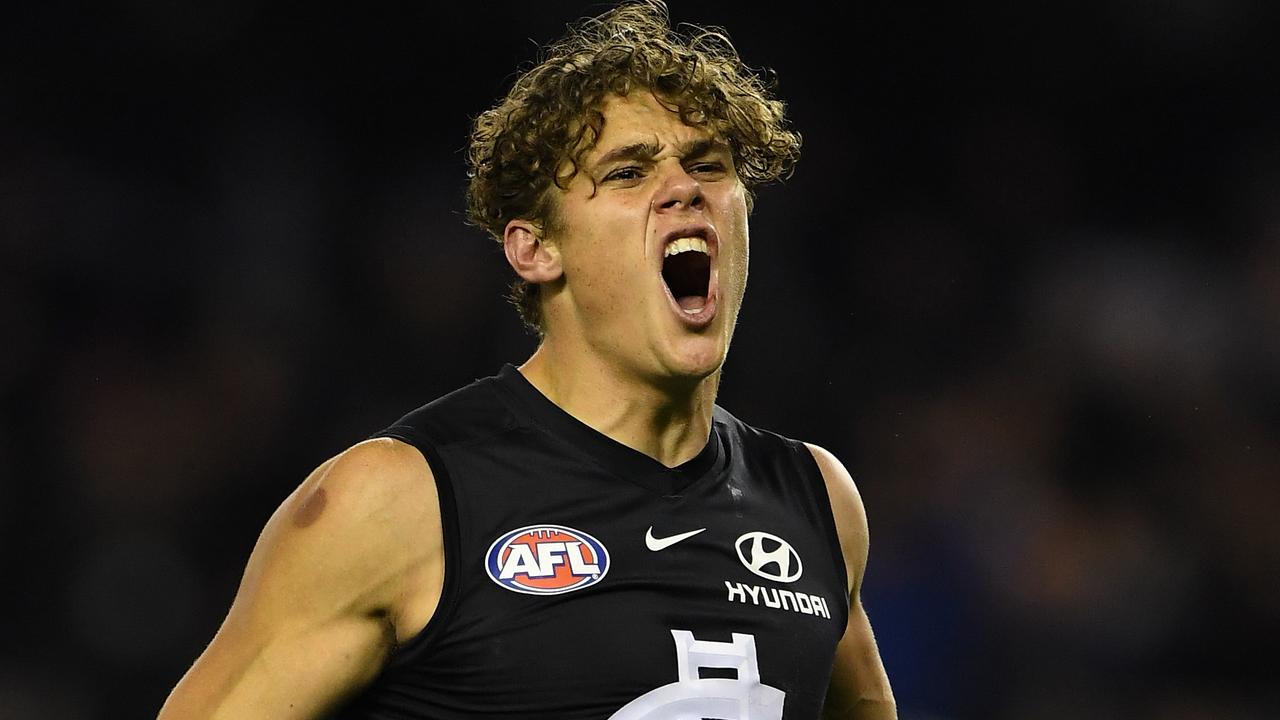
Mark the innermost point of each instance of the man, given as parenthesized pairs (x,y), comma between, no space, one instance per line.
(586,536)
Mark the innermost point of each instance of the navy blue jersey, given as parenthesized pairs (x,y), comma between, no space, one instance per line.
(584,579)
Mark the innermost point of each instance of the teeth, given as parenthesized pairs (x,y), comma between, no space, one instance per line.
(685,244)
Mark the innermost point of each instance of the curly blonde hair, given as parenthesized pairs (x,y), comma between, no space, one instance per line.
(537,135)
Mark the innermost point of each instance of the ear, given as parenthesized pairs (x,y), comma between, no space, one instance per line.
(530,254)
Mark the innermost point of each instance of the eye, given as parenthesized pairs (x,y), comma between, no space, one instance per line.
(624,174)
(710,168)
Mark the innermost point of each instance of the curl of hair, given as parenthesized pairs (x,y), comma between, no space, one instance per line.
(538,134)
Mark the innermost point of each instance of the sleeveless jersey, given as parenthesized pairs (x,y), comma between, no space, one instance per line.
(584,579)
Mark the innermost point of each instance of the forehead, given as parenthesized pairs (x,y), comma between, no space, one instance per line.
(639,117)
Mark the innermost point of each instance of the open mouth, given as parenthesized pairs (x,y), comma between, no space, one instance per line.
(686,269)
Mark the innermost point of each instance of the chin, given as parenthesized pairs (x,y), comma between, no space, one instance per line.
(695,362)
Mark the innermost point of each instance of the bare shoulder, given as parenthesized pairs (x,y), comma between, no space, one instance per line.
(367,523)
(381,479)
(859,686)
(347,566)
(847,507)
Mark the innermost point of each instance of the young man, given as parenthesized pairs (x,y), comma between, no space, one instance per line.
(586,536)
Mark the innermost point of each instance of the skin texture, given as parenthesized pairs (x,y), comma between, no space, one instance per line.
(351,563)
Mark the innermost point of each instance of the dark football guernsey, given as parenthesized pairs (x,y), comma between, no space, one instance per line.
(583,579)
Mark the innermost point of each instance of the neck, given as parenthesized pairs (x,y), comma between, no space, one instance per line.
(670,424)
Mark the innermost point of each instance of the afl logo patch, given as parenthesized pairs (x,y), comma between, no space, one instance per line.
(546,560)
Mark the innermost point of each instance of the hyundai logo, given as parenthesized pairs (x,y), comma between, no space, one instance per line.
(769,556)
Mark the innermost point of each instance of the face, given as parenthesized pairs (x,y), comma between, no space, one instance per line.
(652,237)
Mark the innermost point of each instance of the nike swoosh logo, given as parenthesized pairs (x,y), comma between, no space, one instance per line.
(656,544)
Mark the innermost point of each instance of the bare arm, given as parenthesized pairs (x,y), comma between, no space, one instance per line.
(859,685)
(348,565)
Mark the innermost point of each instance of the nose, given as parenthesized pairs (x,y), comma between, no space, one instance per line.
(679,191)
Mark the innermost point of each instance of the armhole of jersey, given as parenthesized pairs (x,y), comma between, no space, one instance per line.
(414,646)
(826,514)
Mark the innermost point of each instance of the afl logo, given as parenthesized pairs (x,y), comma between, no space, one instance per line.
(546,560)
(769,556)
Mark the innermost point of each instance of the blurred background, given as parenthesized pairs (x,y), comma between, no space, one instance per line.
(1025,282)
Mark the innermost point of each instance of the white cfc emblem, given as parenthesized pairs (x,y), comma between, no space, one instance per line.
(694,698)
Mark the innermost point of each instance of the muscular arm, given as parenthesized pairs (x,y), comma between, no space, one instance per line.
(348,565)
(859,686)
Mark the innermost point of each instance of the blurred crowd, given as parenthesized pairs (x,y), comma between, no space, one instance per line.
(1025,282)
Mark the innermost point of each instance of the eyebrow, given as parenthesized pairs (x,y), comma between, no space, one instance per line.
(647,151)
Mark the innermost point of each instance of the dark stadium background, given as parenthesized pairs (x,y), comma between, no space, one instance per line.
(1025,282)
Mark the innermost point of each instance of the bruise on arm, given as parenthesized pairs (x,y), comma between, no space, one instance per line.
(309,509)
